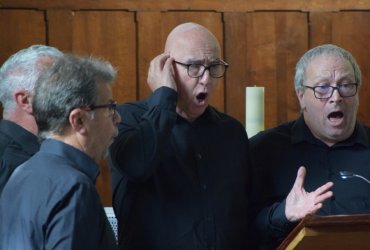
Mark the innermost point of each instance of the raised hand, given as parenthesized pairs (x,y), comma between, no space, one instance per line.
(299,202)
(161,72)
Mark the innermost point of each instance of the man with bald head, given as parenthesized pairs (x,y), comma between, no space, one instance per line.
(179,166)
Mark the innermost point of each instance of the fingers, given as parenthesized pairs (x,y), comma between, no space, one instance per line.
(324,188)
(167,68)
(299,181)
(323,193)
(161,72)
(160,61)
(299,202)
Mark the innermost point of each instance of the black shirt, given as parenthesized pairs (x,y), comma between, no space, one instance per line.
(50,202)
(16,146)
(278,153)
(183,185)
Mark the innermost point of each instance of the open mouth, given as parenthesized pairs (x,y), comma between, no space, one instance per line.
(201,96)
(335,115)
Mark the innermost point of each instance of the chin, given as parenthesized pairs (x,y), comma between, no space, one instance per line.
(200,112)
(339,136)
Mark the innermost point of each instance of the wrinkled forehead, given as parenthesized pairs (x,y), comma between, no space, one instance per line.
(329,65)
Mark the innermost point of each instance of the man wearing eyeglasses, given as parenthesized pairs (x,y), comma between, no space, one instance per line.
(50,201)
(180,166)
(297,165)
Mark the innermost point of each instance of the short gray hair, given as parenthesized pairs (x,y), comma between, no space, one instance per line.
(328,49)
(21,70)
(70,83)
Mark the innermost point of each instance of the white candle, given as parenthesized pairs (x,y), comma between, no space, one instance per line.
(254,110)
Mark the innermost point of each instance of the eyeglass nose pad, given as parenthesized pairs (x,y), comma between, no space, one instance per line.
(206,75)
(336,89)
(336,93)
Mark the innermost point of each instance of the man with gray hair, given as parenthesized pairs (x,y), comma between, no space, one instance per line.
(324,141)
(18,129)
(50,201)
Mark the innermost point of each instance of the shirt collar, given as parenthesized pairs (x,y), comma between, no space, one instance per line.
(78,159)
(209,115)
(21,136)
(301,133)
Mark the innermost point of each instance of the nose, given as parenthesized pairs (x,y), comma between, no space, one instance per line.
(336,97)
(205,78)
(116,118)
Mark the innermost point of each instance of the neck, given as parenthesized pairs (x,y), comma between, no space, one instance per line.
(24,120)
(186,115)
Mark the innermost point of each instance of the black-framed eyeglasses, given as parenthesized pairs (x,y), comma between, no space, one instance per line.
(112,107)
(326,91)
(195,70)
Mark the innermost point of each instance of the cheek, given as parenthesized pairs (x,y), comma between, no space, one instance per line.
(317,108)
(104,128)
(356,101)
(309,102)
(110,125)
(303,102)
(185,87)
(353,106)
(213,85)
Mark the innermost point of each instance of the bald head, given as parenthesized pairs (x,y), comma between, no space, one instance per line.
(190,33)
(191,44)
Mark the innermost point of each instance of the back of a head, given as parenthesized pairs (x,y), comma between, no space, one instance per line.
(71,82)
(21,70)
(326,49)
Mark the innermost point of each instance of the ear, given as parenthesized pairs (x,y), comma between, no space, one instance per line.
(24,100)
(78,120)
(300,96)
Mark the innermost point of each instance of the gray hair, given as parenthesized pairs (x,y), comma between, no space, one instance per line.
(327,49)
(70,83)
(21,70)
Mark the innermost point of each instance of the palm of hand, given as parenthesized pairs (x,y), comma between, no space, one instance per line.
(299,202)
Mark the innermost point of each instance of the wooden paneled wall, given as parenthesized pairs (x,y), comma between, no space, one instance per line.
(261,39)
